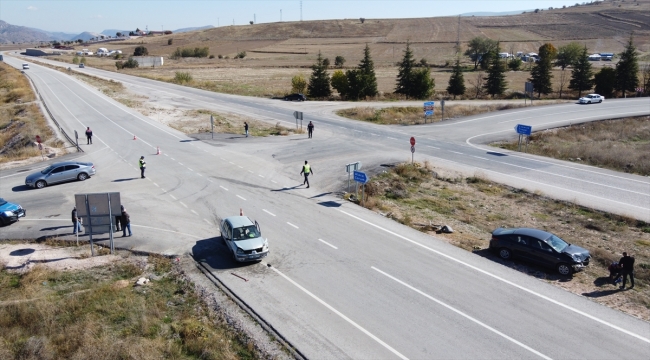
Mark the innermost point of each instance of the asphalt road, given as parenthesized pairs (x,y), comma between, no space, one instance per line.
(341,281)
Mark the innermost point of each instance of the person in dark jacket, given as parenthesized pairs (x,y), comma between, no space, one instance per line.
(614,273)
(126,222)
(627,269)
(310,129)
(89,136)
(76,222)
(246,128)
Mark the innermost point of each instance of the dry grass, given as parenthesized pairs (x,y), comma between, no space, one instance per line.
(421,197)
(621,145)
(198,121)
(20,118)
(415,115)
(87,315)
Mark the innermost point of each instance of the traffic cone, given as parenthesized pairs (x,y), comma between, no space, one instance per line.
(241,212)
(135,138)
(157,150)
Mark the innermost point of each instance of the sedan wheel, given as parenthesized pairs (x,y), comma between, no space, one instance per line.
(564,269)
(40,184)
(505,254)
(82,176)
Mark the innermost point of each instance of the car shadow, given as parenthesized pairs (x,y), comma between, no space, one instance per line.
(20,188)
(214,253)
(330,204)
(494,153)
(532,270)
(121,180)
(22,252)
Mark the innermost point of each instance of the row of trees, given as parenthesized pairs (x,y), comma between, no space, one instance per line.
(361,82)
(623,78)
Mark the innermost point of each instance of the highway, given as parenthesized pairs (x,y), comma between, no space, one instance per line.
(341,281)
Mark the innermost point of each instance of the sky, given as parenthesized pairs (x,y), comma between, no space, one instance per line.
(98,15)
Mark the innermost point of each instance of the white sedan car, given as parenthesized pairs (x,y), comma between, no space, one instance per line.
(591,98)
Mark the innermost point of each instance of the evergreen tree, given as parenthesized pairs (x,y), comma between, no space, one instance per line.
(582,77)
(456,81)
(367,72)
(319,82)
(540,75)
(405,74)
(340,83)
(495,82)
(627,69)
(605,82)
(422,84)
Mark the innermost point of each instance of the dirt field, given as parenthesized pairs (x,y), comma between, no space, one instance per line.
(426,197)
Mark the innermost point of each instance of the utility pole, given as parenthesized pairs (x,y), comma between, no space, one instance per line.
(301,11)
(458,37)
(280,15)
(254,18)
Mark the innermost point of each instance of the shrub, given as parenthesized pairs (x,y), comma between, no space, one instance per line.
(240,55)
(211,57)
(514,64)
(339,61)
(220,56)
(189,52)
(140,51)
(182,77)
(83,60)
(326,62)
(75,59)
(119,65)
(170,41)
(130,64)
(298,84)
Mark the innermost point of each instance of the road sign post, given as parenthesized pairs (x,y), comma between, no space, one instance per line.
(298,116)
(442,107)
(350,168)
(528,89)
(97,210)
(412,141)
(361,177)
(428,110)
(523,130)
(212,125)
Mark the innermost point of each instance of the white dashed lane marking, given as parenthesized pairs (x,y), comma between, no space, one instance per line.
(223,187)
(292,225)
(173,197)
(328,244)
(268,212)
(241,197)
(183,204)
(195,213)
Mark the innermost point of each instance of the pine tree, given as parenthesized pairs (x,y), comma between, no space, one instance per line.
(582,77)
(627,69)
(422,84)
(495,82)
(405,74)
(319,82)
(605,82)
(540,75)
(368,77)
(456,81)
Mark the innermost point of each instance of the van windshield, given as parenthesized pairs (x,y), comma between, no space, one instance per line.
(245,233)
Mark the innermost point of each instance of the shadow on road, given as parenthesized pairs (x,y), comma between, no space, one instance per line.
(320,195)
(299,139)
(601,293)
(495,153)
(57,227)
(128,179)
(286,188)
(214,253)
(20,188)
(329,204)
(190,140)
(526,268)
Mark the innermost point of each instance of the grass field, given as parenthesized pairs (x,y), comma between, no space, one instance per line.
(97,314)
(421,196)
(21,118)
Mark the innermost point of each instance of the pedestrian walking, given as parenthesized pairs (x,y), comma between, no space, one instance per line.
(627,269)
(76,221)
(310,129)
(306,170)
(89,136)
(142,165)
(126,222)
(246,128)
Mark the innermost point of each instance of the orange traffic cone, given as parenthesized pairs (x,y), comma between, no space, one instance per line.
(241,212)
(157,150)
(135,138)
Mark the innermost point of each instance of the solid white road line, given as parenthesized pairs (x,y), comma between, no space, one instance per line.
(268,212)
(332,309)
(223,187)
(183,204)
(241,197)
(463,314)
(580,312)
(292,225)
(328,244)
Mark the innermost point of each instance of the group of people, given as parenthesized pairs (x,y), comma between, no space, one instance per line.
(121,221)
(621,270)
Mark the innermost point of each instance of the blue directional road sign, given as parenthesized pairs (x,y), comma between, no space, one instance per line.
(524,129)
(360,177)
(428,113)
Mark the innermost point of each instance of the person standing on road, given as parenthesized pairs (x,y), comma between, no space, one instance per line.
(306,170)
(627,266)
(126,222)
(76,223)
(310,129)
(89,136)
(246,128)
(142,165)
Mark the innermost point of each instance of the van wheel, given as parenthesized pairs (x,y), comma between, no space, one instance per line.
(40,184)
(564,269)
(505,254)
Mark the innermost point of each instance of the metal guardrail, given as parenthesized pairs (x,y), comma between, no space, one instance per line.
(74,143)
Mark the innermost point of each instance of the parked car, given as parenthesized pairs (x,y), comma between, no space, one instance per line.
(243,238)
(60,172)
(10,212)
(295,97)
(25,66)
(591,98)
(539,247)
(82,65)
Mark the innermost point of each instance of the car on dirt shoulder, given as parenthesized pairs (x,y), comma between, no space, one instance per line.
(539,247)
(243,238)
(10,212)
